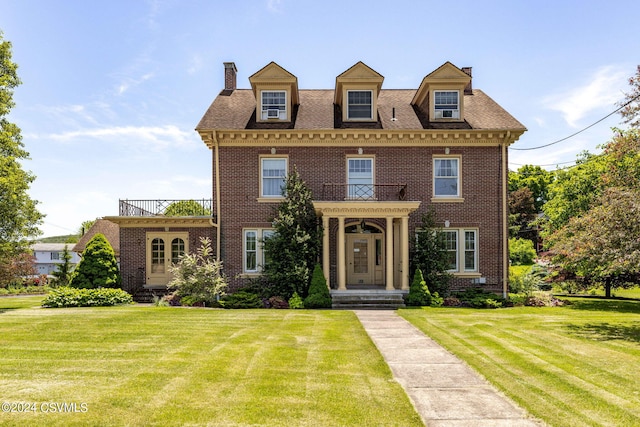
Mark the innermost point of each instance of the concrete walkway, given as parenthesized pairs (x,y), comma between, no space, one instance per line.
(444,390)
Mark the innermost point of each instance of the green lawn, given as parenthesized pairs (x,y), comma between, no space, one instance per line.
(173,366)
(571,366)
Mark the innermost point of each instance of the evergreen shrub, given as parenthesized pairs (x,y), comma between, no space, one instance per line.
(319,295)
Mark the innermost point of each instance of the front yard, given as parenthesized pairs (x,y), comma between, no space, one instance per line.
(161,366)
(570,366)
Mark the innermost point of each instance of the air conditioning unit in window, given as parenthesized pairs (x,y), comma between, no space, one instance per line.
(273,113)
(447,114)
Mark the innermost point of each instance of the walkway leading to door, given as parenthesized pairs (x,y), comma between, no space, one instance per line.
(444,390)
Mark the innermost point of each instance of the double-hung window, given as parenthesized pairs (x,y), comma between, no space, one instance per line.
(360,178)
(360,105)
(273,172)
(462,250)
(446,177)
(254,254)
(446,104)
(274,104)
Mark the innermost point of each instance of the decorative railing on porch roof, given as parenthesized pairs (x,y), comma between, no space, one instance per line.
(184,207)
(364,192)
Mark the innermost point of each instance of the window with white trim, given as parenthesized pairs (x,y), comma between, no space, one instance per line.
(360,105)
(360,178)
(273,172)
(461,246)
(254,254)
(446,177)
(446,104)
(470,251)
(274,104)
(451,246)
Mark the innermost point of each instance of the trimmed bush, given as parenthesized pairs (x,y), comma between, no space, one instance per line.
(479,298)
(295,301)
(98,267)
(419,294)
(521,251)
(319,296)
(99,297)
(241,299)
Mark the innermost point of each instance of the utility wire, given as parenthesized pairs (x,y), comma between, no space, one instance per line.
(580,131)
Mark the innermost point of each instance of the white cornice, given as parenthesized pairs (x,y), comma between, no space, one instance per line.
(161,221)
(351,137)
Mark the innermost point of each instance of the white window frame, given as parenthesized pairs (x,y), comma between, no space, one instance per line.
(455,232)
(349,105)
(260,253)
(456,177)
(265,107)
(466,249)
(362,193)
(263,187)
(446,110)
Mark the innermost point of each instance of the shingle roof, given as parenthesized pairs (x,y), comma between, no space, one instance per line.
(316,111)
(110,230)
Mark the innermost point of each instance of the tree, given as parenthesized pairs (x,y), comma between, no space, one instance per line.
(319,295)
(536,179)
(199,276)
(603,245)
(186,208)
(294,247)
(63,270)
(19,218)
(419,294)
(429,255)
(631,103)
(14,268)
(573,191)
(522,212)
(98,267)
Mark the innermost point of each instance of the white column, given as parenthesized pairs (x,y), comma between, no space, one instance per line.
(390,266)
(404,241)
(342,268)
(326,263)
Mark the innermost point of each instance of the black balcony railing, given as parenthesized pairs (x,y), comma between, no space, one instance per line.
(186,207)
(364,192)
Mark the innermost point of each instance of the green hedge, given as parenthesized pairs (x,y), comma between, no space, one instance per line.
(71,297)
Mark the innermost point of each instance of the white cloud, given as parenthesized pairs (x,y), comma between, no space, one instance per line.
(600,93)
(275,6)
(157,137)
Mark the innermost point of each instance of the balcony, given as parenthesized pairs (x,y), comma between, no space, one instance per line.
(364,192)
(185,207)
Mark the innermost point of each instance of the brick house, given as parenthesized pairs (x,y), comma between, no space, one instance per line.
(375,159)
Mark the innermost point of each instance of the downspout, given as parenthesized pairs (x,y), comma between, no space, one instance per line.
(217,168)
(505,218)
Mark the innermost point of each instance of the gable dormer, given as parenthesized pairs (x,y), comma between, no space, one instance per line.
(356,93)
(441,94)
(276,92)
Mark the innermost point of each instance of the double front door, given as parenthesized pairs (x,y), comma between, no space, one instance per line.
(365,259)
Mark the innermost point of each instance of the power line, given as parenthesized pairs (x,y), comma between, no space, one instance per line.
(580,131)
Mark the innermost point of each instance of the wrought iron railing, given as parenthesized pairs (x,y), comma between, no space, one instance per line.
(363,192)
(185,207)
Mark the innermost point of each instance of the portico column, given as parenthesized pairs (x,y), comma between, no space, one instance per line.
(342,269)
(326,267)
(390,266)
(404,241)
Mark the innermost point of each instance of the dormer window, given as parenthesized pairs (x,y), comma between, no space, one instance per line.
(274,105)
(446,104)
(360,105)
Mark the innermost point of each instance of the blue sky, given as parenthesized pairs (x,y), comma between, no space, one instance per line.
(112,91)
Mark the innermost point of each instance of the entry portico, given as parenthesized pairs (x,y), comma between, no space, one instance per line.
(395,238)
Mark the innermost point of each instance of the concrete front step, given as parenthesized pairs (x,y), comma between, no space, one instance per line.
(363,299)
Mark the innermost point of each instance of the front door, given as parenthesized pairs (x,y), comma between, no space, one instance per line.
(364,259)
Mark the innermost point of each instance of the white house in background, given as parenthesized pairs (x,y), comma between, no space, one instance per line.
(48,255)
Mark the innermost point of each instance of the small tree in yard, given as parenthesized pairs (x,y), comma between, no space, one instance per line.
(198,277)
(430,256)
(63,270)
(294,247)
(419,294)
(319,296)
(98,267)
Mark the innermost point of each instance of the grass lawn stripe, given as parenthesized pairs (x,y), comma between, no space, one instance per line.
(167,366)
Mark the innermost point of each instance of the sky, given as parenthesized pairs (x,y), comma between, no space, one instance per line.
(112,90)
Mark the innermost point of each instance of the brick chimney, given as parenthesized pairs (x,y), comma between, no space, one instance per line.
(468,90)
(230,72)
